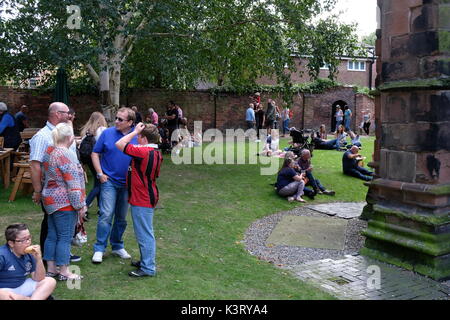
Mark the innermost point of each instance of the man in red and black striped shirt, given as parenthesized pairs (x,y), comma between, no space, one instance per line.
(142,191)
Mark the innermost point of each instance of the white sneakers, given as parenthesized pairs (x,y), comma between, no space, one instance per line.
(98,257)
(121,253)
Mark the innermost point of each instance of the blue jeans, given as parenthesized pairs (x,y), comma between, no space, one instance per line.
(360,172)
(143,229)
(329,144)
(113,204)
(347,124)
(285,126)
(315,183)
(95,192)
(61,226)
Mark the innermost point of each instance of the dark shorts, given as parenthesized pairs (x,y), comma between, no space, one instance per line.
(270,124)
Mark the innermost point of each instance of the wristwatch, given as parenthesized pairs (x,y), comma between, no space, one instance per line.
(99,175)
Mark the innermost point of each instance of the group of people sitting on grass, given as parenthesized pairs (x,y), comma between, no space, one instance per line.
(296,174)
(339,142)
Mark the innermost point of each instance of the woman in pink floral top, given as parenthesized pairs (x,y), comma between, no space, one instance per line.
(63,197)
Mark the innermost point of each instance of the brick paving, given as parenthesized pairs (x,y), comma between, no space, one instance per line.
(353,278)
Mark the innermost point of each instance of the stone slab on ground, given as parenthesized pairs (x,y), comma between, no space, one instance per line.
(309,232)
(353,278)
(346,210)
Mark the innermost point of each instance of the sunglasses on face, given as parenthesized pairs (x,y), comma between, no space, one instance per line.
(120,119)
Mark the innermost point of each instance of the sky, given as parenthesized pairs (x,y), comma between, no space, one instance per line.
(362,12)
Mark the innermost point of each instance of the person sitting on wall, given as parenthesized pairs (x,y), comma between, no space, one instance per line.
(351,167)
(304,165)
(18,259)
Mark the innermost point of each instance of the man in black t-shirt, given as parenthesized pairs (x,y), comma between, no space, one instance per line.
(22,119)
(350,165)
(172,120)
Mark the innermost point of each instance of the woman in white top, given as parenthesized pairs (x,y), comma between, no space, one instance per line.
(341,137)
(95,126)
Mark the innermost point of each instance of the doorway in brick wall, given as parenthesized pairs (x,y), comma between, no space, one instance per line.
(340,103)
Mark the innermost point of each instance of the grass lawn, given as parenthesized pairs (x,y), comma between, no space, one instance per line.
(200,229)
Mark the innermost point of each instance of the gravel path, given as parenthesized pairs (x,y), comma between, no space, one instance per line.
(260,230)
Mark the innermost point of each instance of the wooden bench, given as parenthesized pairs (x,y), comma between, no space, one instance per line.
(23,177)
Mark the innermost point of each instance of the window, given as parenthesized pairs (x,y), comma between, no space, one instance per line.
(356,65)
(325,66)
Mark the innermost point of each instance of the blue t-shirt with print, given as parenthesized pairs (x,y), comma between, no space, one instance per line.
(14,270)
(114,162)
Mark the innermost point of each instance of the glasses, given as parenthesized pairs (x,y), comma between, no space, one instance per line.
(23,240)
(120,119)
(63,111)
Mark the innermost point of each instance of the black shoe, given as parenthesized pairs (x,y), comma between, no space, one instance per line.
(50,297)
(74,258)
(329,192)
(139,273)
(136,264)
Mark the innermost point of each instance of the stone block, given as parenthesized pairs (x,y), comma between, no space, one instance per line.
(399,46)
(401,166)
(433,167)
(395,108)
(424,43)
(434,67)
(400,70)
(423,18)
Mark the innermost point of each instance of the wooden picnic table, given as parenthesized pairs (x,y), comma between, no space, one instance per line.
(5,162)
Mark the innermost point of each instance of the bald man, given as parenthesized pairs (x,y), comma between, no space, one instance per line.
(350,165)
(58,112)
(304,164)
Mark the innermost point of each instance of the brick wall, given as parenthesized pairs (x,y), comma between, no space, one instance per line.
(226,110)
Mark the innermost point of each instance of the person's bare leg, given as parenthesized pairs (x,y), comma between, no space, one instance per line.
(51,267)
(44,289)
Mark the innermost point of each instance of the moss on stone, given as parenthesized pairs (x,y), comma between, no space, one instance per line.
(440,272)
(440,84)
(425,242)
(431,220)
(440,190)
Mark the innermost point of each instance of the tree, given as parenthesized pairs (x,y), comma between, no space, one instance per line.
(170,42)
(369,39)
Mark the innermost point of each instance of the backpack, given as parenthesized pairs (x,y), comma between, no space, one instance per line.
(86,147)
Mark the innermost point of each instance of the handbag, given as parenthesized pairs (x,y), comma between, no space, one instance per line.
(81,235)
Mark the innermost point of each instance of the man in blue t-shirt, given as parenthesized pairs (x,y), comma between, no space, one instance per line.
(350,165)
(111,166)
(16,265)
(250,116)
